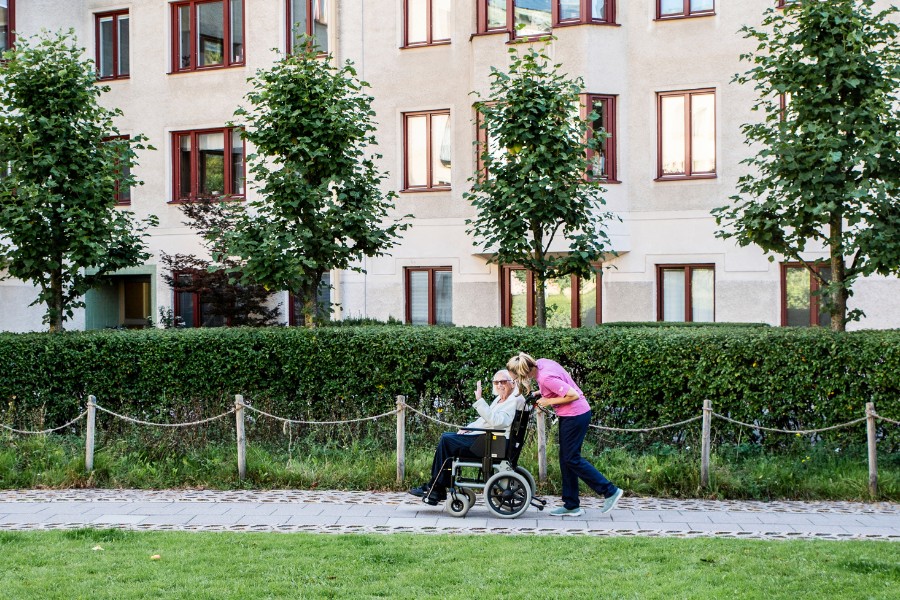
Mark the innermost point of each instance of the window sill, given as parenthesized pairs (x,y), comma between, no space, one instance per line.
(205,69)
(531,39)
(425,190)
(217,199)
(118,78)
(680,17)
(577,23)
(686,177)
(425,45)
(487,33)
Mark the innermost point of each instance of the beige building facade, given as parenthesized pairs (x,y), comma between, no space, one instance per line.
(657,71)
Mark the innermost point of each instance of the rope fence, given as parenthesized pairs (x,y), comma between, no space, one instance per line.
(707,414)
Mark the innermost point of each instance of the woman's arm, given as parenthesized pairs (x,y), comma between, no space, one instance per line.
(571,396)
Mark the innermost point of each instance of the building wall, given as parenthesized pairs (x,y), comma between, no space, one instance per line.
(663,222)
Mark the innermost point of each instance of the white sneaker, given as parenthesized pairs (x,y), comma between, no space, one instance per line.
(611,502)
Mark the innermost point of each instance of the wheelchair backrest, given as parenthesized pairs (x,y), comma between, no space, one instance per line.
(517,432)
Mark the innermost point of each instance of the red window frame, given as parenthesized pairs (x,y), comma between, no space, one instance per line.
(228,182)
(116,15)
(686,12)
(429,27)
(121,199)
(227,61)
(575,309)
(10,26)
(196,301)
(586,14)
(432,299)
(688,137)
(585,18)
(814,286)
(609,144)
(688,296)
(289,24)
(430,186)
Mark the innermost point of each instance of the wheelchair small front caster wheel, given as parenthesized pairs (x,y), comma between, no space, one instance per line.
(459,505)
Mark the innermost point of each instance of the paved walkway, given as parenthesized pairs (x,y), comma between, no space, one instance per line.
(390,512)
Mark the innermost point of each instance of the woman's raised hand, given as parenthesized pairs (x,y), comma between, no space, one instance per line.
(478,390)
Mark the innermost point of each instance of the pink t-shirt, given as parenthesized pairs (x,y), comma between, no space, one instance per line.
(554,382)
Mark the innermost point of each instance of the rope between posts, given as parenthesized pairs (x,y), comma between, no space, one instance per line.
(432,418)
(794,431)
(297,422)
(76,419)
(877,416)
(139,422)
(646,429)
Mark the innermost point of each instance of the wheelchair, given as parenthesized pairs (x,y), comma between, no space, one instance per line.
(508,488)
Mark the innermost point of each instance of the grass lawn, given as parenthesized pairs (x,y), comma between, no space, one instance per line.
(58,564)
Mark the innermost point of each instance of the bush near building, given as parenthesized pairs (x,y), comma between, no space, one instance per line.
(633,376)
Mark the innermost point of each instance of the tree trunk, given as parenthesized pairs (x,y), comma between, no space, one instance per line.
(540,305)
(839,293)
(310,305)
(56,301)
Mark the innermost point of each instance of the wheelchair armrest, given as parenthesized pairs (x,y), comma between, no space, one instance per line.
(486,430)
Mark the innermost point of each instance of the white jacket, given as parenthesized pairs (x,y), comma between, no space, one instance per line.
(499,415)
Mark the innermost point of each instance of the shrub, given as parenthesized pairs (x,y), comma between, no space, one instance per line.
(633,376)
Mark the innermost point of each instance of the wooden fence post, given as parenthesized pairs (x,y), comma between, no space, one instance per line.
(89,437)
(542,445)
(401,438)
(241,436)
(704,446)
(873,457)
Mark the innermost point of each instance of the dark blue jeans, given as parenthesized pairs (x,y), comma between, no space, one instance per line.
(451,445)
(573,466)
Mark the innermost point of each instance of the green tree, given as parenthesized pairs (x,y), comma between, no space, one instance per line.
(535,186)
(828,166)
(59,227)
(320,205)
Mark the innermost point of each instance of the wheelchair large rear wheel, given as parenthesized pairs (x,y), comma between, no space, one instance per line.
(460,505)
(507,494)
(524,473)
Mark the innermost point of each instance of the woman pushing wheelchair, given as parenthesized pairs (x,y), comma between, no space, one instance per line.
(498,415)
(559,391)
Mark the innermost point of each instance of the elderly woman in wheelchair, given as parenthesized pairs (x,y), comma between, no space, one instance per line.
(484,455)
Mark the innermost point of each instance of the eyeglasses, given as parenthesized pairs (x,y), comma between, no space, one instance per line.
(499,381)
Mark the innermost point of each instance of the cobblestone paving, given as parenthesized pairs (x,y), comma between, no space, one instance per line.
(394,512)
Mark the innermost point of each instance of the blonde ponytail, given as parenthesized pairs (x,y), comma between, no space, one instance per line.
(520,367)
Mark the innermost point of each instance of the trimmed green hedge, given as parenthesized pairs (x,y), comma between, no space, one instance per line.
(633,377)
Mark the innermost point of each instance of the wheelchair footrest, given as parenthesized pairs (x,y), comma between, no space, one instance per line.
(538,503)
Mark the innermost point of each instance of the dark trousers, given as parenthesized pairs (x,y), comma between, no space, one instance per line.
(573,466)
(451,445)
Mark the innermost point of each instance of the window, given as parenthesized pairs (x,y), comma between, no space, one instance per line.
(686,134)
(570,301)
(429,295)
(666,9)
(207,34)
(783,3)
(800,305)
(427,150)
(573,12)
(686,293)
(310,18)
(122,195)
(486,141)
(603,160)
(323,303)
(7,24)
(191,308)
(207,164)
(427,22)
(537,17)
(112,41)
